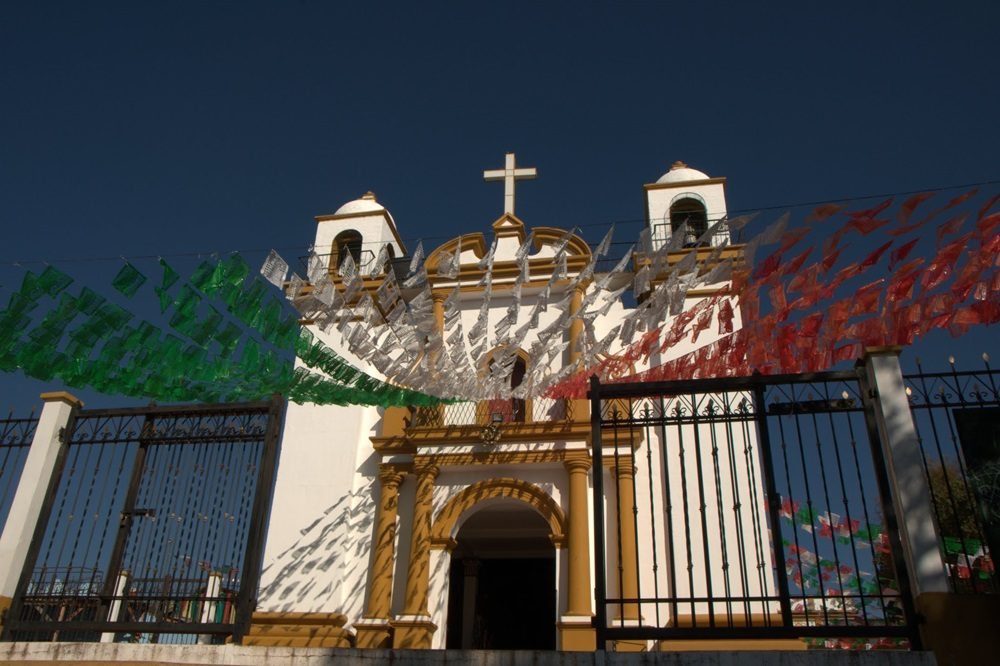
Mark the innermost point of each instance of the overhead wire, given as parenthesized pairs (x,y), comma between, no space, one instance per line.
(414,240)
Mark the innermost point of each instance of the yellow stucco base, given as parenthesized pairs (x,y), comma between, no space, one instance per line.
(412,634)
(576,637)
(726,645)
(373,634)
(960,628)
(299,630)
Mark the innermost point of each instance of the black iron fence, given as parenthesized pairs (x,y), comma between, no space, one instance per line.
(957,418)
(741,508)
(499,411)
(15,440)
(152,529)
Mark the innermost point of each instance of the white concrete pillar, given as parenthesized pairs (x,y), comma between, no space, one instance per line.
(116,604)
(34,483)
(911,493)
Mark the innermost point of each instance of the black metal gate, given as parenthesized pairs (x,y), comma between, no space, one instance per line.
(153,526)
(754,507)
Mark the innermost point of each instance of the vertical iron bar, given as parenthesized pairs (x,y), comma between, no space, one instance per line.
(720,513)
(829,513)
(597,469)
(125,526)
(867,515)
(685,509)
(758,524)
(615,479)
(773,505)
(812,512)
(709,591)
(254,554)
(734,487)
(847,513)
(635,518)
(648,439)
(668,508)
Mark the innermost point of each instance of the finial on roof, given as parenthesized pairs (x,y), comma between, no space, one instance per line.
(678,165)
(369,195)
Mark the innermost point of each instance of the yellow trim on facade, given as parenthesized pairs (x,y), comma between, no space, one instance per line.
(444,525)
(685,183)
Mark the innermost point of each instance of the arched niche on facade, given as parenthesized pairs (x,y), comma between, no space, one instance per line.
(347,243)
(457,509)
(507,410)
(688,216)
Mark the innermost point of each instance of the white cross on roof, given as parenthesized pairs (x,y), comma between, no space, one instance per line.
(508,175)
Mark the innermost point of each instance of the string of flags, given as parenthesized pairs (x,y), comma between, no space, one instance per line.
(831,576)
(793,298)
(229,339)
(777,303)
(802,312)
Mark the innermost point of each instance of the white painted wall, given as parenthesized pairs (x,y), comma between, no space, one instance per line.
(318,551)
(659,198)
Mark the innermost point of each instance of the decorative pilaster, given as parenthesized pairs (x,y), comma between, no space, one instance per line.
(576,326)
(625,478)
(580,409)
(373,631)
(575,632)
(414,628)
(625,482)
(438,298)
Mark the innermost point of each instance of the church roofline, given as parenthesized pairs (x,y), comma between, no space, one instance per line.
(384,213)
(685,183)
(578,253)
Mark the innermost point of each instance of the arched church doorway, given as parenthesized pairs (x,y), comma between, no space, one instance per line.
(502,591)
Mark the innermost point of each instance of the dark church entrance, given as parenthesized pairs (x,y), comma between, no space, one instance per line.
(502,591)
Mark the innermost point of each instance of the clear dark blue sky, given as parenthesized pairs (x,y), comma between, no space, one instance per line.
(163,128)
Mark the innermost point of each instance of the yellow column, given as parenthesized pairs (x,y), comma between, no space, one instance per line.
(438,298)
(576,327)
(580,409)
(624,480)
(575,631)
(414,629)
(373,631)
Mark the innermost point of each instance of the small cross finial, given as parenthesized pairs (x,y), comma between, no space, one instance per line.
(508,175)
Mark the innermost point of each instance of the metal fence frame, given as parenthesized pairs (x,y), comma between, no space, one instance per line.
(96,609)
(937,400)
(16,435)
(784,628)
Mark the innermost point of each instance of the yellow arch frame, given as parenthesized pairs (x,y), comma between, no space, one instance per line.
(444,523)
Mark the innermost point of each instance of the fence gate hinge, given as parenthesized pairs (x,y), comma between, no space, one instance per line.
(62,435)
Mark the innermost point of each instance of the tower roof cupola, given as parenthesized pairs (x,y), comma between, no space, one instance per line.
(365,204)
(681,172)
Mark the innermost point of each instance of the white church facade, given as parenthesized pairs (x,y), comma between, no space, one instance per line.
(468,525)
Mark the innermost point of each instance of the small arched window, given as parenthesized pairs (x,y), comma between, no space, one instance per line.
(688,216)
(347,243)
(510,410)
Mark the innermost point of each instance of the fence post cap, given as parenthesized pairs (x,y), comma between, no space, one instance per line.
(62,396)
(883,350)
